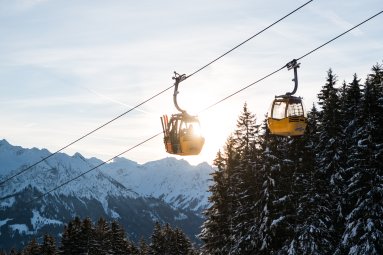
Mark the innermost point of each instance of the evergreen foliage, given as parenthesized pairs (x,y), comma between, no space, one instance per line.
(168,241)
(321,193)
(103,238)
(48,246)
(144,248)
(33,248)
(217,229)
(363,232)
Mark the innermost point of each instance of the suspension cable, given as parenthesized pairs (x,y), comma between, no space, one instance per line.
(242,43)
(303,56)
(242,89)
(152,137)
(147,100)
(82,137)
(345,32)
(93,168)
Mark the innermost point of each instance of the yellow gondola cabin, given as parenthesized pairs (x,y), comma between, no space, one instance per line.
(287,115)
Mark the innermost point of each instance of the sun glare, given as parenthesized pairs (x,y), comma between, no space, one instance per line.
(215,128)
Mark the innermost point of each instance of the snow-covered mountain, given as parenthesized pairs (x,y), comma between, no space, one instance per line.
(174,181)
(167,190)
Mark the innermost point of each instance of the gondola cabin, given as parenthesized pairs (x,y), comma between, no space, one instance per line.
(287,116)
(182,134)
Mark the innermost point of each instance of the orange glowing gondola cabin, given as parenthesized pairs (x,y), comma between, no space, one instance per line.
(182,133)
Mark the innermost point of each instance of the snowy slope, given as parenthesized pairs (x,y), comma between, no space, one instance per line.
(175,181)
(54,171)
(167,190)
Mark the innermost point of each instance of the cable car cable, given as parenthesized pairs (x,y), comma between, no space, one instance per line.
(152,137)
(303,56)
(361,23)
(242,89)
(147,100)
(260,32)
(93,168)
(84,136)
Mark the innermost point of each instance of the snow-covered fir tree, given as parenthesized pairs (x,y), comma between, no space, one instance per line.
(276,201)
(33,248)
(102,243)
(311,232)
(70,242)
(218,228)
(245,184)
(329,167)
(363,232)
(321,193)
(143,248)
(119,243)
(48,247)
(168,241)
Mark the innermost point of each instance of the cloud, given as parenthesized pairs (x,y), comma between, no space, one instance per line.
(116,101)
(337,20)
(82,63)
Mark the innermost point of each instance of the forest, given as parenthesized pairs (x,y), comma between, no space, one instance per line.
(84,237)
(320,193)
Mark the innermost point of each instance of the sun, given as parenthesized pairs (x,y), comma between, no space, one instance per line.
(216,123)
(215,129)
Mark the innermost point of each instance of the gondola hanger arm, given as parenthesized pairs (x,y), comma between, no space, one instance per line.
(293,65)
(178,78)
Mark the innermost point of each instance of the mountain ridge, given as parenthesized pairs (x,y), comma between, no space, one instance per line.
(166,190)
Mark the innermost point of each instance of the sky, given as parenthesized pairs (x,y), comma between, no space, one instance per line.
(68,67)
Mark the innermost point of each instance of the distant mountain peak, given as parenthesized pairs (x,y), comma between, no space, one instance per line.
(166,190)
(3,142)
(171,179)
(78,155)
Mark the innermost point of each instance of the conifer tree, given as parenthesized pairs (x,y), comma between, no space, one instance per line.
(329,166)
(232,156)
(102,238)
(143,247)
(157,240)
(350,101)
(363,232)
(14,252)
(310,232)
(85,238)
(33,248)
(184,245)
(173,242)
(275,208)
(245,183)
(48,247)
(217,229)
(170,245)
(298,165)
(351,96)
(118,242)
(69,240)
(132,249)
(245,133)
